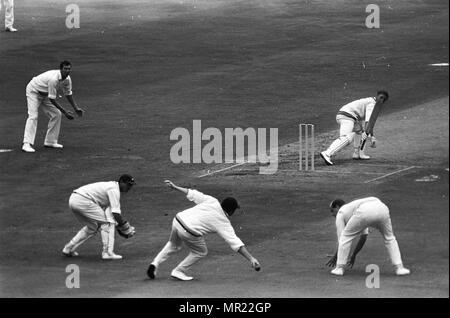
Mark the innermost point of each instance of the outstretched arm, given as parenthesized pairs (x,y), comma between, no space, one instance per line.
(172,185)
(255,264)
(359,246)
(340,225)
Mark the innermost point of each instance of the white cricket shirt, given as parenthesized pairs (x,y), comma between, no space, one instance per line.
(51,82)
(360,109)
(208,217)
(105,194)
(347,211)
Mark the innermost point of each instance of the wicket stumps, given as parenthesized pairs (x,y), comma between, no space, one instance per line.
(306,147)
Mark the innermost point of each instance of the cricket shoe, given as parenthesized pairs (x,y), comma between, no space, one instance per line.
(111,256)
(151,271)
(53,145)
(359,155)
(68,253)
(27,148)
(180,275)
(10,29)
(401,271)
(338,271)
(326,158)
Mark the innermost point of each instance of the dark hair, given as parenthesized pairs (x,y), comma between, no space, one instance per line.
(385,93)
(126,178)
(229,205)
(64,63)
(337,203)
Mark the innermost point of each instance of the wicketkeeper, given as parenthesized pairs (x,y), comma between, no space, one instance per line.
(356,121)
(190,226)
(97,205)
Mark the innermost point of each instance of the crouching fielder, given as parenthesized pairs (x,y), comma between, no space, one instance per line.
(97,205)
(356,121)
(354,219)
(190,226)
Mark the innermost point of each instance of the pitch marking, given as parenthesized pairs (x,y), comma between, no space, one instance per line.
(390,174)
(6,150)
(439,64)
(220,170)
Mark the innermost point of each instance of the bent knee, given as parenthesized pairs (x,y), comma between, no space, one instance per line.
(202,253)
(32,115)
(90,229)
(174,247)
(56,114)
(350,137)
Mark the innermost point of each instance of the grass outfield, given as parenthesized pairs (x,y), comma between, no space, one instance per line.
(143,68)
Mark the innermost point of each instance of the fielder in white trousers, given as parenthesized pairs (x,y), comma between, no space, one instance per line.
(191,225)
(43,90)
(353,220)
(196,245)
(9,14)
(34,101)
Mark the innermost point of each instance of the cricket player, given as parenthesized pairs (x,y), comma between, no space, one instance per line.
(43,90)
(9,15)
(97,206)
(191,225)
(356,120)
(354,219)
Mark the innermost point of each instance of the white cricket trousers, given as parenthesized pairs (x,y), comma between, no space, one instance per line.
(197,247)
(9,12)
(369,214)
(349,131)
(34,100)
(94,218)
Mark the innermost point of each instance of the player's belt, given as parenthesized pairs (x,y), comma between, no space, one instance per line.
(343,113)
(84,196)
(42,93)
(186,228)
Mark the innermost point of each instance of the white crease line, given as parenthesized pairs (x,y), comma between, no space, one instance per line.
(330,171)
(384,165)
(343,172)
(220,170)
(253,159)
(439,64)
(390,174)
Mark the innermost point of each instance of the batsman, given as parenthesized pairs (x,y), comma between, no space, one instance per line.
(356,120)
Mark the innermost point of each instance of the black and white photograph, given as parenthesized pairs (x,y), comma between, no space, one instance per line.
(224,154)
